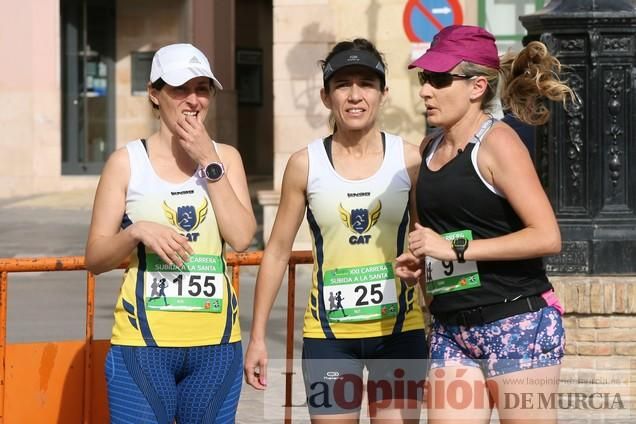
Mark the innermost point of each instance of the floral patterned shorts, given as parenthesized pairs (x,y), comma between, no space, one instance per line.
(516,343)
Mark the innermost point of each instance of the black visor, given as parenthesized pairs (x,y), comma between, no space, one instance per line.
(352,57)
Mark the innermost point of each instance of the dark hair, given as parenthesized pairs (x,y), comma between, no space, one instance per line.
(358,44)
(160,83)
(157,85)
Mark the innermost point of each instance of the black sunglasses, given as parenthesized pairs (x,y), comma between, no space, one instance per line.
(439,79)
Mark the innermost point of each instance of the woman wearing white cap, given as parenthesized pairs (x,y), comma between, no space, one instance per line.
(168,204)
(354,186)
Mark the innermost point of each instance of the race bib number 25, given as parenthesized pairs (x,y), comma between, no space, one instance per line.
(196,287)
(360,293)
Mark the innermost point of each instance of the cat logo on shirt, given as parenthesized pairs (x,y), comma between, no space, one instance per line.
(360,222)
(187,218)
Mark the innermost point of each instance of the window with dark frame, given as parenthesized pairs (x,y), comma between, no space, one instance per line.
(249,76)
(140,64)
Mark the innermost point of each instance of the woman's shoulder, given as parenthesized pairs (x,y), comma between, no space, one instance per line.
(117,166)
(299,159)
(120,156)
(501,135)
(411,153)
(431,135)
(228,154)
(502,144)
(297,170)
(226,149)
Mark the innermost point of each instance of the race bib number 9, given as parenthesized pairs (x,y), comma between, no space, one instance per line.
(450,276)
(360,294)
(196,287)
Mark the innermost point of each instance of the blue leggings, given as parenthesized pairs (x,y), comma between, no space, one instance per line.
(156,385)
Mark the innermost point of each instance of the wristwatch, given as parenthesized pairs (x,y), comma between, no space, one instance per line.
(213,171)
(459,245)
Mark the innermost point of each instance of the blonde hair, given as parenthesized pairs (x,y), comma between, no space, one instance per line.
(527,78)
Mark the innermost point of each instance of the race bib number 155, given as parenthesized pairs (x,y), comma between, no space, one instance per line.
(196,287)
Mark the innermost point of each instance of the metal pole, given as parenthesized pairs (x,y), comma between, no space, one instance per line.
(3,338)
(289,354)
(88,346)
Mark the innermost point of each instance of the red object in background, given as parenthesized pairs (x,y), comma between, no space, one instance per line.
(421,22)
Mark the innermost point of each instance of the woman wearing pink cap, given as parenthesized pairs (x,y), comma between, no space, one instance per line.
(168,204)
(484,224)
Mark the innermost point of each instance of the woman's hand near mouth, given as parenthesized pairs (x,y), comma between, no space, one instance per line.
(194,138)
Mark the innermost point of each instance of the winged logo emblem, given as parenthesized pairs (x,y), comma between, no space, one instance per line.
(186,217)
(360,220)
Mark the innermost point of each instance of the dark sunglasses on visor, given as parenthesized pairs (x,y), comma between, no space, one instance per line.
(439,79)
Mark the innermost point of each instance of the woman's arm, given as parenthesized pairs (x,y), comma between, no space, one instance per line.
(229,195)
(505,163)
(407,266)
(108,245)
(270,274)
(231,200)
(413,159)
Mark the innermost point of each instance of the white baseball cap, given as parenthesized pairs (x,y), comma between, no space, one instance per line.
(177,64)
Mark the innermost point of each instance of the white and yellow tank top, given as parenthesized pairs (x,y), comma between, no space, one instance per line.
(162,305)
(358,228)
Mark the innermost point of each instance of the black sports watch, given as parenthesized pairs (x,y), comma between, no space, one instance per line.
(459,245)
(213,171)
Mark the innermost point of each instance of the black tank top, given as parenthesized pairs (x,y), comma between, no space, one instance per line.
(455,198)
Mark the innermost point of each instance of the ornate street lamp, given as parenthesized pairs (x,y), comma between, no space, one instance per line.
(586,154)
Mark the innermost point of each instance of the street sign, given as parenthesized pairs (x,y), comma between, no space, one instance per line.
(423,19)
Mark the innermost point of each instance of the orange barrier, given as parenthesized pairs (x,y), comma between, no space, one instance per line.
(47,380)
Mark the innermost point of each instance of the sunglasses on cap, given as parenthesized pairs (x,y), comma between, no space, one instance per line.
(440,79)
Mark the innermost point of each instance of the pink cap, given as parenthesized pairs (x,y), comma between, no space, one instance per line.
(456,43)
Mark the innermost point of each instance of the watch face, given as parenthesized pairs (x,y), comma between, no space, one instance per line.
(214,171)
(460,242)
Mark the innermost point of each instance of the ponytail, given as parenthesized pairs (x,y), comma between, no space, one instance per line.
(527,78)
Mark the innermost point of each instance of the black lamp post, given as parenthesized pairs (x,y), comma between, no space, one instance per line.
(586,154)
